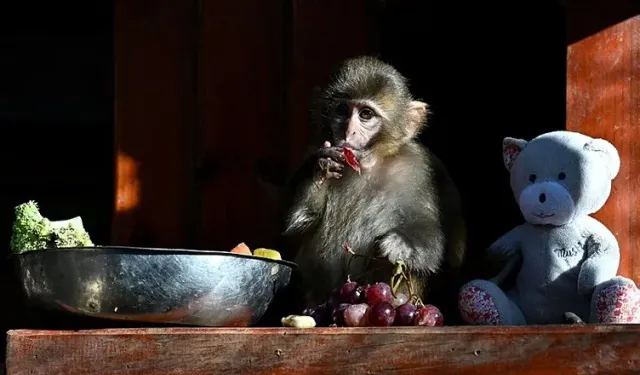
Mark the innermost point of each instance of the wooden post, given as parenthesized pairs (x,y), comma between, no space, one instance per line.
(256,74)
(323,33)
(154,108)
(603,100)
(240,128)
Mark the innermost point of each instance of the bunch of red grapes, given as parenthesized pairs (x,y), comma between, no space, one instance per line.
(354,305)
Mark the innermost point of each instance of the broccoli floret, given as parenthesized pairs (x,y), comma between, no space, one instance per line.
(32,231)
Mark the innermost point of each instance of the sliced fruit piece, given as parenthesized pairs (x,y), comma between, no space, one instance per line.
(351,159)
(241,248)
(267,253)
(298,321)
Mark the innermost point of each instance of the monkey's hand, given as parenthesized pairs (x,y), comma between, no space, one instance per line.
(420,250)
(330,163)
(394,248)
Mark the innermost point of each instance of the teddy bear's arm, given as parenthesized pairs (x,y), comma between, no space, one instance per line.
(509,243)
(507,250)
(603,258)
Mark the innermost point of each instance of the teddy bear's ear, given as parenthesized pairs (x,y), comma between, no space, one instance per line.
(608,152)
(511,148)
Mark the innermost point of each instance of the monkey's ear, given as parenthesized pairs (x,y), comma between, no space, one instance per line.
(416,117)
(511,148)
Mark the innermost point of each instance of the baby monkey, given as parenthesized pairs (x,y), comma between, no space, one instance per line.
(401,206)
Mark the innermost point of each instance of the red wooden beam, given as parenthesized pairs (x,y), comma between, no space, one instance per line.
(603,100)
(548,350)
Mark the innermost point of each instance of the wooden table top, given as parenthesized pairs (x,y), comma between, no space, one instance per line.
(554,350)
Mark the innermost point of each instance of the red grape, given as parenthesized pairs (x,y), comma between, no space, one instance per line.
(379,292)
(400,299)
(358,295)
(382,315)
(405,315)
(364,292)
(356,315)
(429,315)
(346,291)
(338,314)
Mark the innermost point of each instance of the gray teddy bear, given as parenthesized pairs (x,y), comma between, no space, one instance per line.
(566,261)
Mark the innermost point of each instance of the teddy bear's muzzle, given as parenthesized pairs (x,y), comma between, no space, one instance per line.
(546,203)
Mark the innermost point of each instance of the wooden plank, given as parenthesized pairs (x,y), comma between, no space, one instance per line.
(153,113)
(323,33)
(554,350)
(240,120)
(603,96)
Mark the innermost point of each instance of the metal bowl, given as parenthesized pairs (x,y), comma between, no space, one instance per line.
(188,287)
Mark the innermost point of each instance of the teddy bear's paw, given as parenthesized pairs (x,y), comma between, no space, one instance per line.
(478,307)
(618,304)
(572,318)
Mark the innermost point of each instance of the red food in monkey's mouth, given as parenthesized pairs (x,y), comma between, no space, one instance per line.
(351,159)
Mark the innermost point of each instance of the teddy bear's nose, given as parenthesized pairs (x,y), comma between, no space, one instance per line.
(542,198)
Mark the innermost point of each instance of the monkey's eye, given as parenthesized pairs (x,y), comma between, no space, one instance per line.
(342,110)
(366,114)
(562,176)
(532,178)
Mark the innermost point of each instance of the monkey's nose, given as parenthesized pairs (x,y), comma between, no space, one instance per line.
(542,198)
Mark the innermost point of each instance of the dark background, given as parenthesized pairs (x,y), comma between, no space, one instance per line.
(56,116)
(488,70)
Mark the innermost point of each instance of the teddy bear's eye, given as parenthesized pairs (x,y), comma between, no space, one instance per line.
(532,178)
(562,176)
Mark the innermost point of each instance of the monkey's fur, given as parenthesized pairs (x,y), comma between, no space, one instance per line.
(403,206)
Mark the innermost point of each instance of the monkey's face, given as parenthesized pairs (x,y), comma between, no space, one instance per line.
(365,102)
(356,123)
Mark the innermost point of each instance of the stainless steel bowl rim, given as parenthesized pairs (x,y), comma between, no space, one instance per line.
(155,251)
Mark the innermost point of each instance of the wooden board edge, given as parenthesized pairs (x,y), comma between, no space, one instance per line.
(477,330)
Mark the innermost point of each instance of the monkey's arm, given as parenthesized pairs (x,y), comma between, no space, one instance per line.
(308,198)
